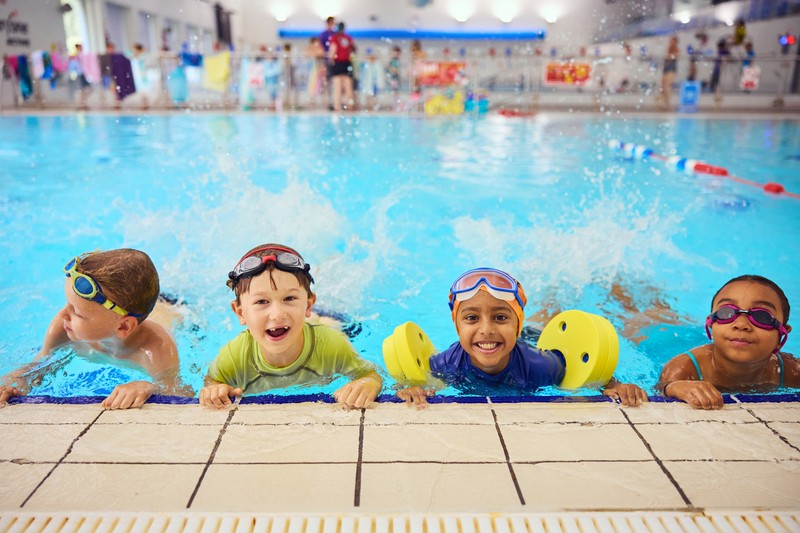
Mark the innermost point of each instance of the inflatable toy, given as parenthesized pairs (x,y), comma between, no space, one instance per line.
(588,342)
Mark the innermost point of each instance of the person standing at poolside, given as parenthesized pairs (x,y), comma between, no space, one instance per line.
(670,68)
(341,69)
(325,41)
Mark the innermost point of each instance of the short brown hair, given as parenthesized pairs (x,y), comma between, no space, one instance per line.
(127,277)
(242,285)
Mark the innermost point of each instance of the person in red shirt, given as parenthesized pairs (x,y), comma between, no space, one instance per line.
(341,69)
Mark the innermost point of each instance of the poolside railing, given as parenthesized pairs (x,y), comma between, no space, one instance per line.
(524,82)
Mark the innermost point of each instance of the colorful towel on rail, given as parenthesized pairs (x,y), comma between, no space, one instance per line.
(122,75)
(217,72)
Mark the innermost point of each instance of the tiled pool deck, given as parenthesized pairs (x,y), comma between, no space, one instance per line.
(488,458)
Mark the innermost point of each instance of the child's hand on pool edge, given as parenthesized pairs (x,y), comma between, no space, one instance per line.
(129,395)
(698,394)
(218,395)
(360,392)
(628,394)
(416,396)
(7,392)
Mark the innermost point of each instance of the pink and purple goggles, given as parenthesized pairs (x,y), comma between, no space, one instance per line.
(759,317)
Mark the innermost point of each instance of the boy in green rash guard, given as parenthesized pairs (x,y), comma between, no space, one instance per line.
(279,349)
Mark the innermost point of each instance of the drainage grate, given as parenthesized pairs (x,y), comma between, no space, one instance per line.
(656,522)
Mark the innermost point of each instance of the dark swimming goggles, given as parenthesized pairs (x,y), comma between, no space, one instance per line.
(87,288)
(759,317)
(252,265)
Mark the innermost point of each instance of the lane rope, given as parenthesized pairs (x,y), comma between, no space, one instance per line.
(676,162)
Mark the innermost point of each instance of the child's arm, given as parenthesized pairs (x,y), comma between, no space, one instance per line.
(679,380)
(628,394)
(217,395)
(791,365)
(360,392)
(157,352)
(55,335)
(19,382)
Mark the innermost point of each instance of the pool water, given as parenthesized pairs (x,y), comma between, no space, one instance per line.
(389,210)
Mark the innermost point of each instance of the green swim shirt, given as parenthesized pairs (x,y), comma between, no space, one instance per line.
(326,354)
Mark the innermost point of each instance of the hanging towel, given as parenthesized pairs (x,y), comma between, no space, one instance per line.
(12,62)
(90,66)
(122,75)
(60,63)
(217,72)
(37,64)
(191,60)
(25,83)
(177,85)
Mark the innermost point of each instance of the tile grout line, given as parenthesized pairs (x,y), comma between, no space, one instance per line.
(211,456)
(774,431)
(360,462)
(61,460)
(506,454)
(658,461)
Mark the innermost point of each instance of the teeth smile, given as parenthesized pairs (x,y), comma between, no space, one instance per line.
(487,345)
(277,332)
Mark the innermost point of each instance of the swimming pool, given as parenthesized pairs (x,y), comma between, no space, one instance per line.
(389,210)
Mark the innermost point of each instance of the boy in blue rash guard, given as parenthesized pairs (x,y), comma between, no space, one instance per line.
(488,312)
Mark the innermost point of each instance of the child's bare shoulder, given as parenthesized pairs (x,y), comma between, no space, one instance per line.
(154,347)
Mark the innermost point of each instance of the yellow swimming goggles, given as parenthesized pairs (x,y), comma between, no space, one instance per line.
(87,288)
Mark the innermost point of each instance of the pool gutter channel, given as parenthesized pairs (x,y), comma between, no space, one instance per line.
(572,522)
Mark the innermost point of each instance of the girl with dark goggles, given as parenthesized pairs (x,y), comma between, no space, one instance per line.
(87,288)
(284,259)
(759,317)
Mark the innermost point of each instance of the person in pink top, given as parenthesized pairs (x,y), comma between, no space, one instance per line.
(341,68)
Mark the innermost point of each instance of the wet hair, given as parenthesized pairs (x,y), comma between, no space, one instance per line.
(243,283)
(127,277)
(762,281)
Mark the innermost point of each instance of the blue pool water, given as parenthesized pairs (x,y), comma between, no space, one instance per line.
(388,211)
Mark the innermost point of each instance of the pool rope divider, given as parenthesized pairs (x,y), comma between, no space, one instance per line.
(640,152)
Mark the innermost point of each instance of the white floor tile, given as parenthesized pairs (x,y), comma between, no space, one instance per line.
(37,442)
(49,413)
(298,413)
(277,488)
(440,413)
(116,488)
(421,488)
(739,485)
(716,440)
(146,443)
(789,430)
(18,481)
(190,414)
(606,486)
(680,413)
(432,443)
(778,412)
(317,443)
(570,442)
(534,413)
